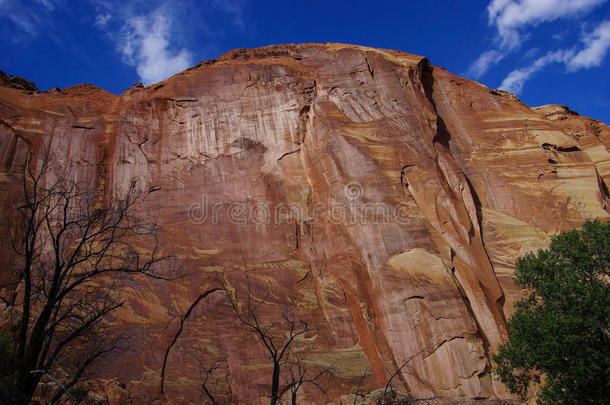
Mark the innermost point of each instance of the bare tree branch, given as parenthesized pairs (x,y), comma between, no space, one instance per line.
(72,254)
(275,341)
(300,375)
(207,372)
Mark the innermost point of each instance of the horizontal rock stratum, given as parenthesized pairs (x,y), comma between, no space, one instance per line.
(381,199)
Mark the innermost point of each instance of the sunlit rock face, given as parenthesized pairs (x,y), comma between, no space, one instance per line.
(379,198)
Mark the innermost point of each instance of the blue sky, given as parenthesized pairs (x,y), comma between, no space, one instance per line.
(546,51)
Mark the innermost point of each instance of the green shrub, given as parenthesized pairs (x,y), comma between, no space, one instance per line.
(558,335)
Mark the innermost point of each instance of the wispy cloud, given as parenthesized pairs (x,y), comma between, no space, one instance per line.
(485,61)
(150,34)
(146,45)
(516,79)
(596,46)
(24,18)
(514,21)
(48,4)
(511,17)
(101,20)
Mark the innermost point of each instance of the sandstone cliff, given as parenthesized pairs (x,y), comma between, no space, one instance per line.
(382,199)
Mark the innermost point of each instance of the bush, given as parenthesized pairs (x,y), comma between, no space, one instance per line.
(558,335)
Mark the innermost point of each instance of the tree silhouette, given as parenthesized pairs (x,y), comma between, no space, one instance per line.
(276,341)
(298,375)
(72,252)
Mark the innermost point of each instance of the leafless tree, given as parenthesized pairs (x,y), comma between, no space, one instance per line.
(299,375)
(71,254)
(389,395)
(357,394)
(207,372)
(272,335)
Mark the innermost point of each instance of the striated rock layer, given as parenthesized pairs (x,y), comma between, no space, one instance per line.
(382,199)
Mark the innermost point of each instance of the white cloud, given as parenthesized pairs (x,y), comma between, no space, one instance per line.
(486,60)
(597,45)
(26,23)
(511,16)
(26,18)
(146,45)
(101,20)
(516,79)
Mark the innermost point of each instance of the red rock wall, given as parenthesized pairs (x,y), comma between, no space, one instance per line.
(380,198)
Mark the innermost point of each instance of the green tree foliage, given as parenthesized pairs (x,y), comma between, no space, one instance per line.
(558,335)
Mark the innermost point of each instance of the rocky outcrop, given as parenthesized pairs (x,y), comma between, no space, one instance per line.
(380,198)
(17,82)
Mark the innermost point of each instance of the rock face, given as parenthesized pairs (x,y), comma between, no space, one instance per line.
(379,198)
(17,82)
